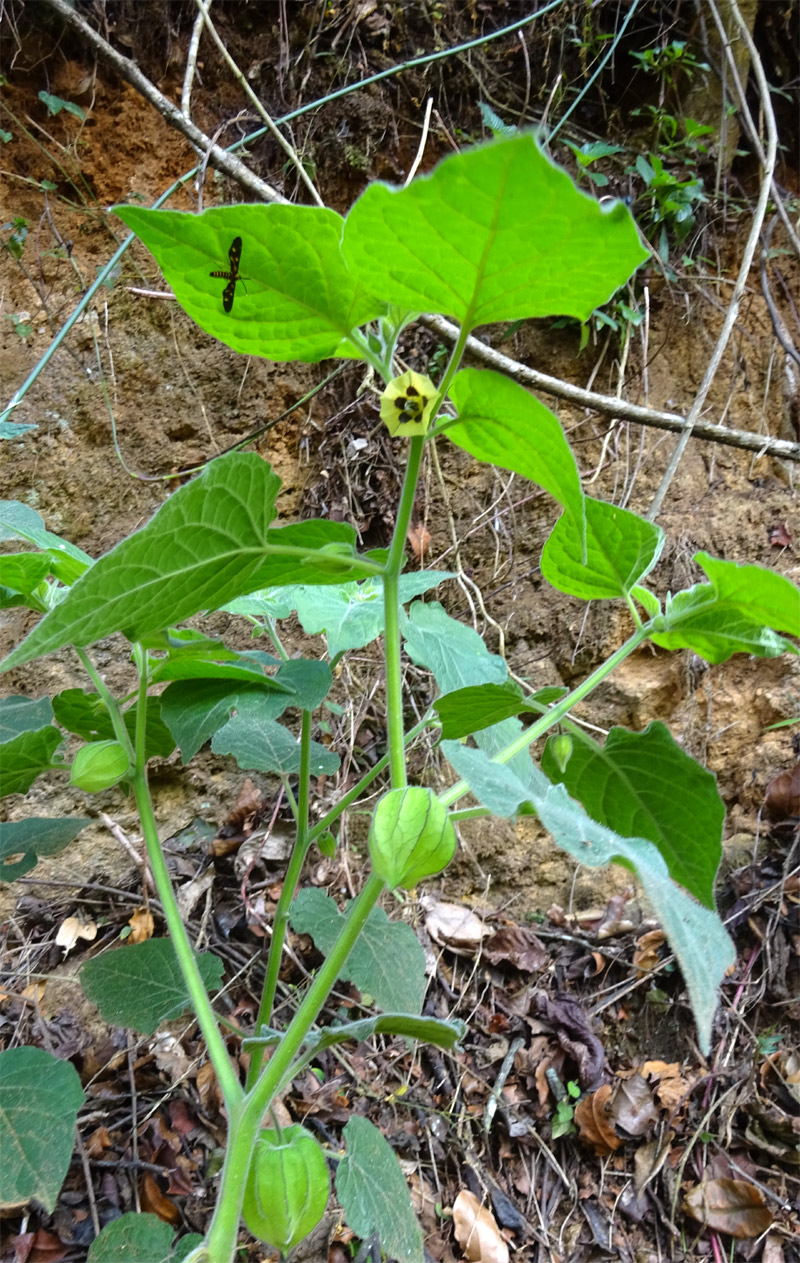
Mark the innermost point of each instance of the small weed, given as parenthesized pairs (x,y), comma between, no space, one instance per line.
(564,1117)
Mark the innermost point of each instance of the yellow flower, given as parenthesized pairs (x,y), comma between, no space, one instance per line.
(407,405)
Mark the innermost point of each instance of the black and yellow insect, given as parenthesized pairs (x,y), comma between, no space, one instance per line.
(231,276)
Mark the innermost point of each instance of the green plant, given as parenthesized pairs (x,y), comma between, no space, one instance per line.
(513,239)
(564,1117)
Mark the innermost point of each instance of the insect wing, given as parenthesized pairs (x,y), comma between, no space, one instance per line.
(235,254)
(227,295)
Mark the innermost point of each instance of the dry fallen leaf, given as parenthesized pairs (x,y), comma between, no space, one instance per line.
(142,926)
(477,1232)
(782,795)
(594,1127)
(419,537)
(519,946)
(454,926)
(72,929)
(154,1202)
(731,1206)
(645,956)
(632,1106)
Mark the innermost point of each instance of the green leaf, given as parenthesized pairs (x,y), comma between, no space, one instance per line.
(426,1030)
(454,653)
(735,613)
(141,985)
(23,842)
(198,551)
(296,299)
(23,714)
(495,233)
(22,572)
(196,668)
(696,934)
(387,961)
(329,548)
(85,714)
(373,1193)
(642,784)
(260,744)
(621,548)
(18,521)
(501,424)
(40,1096)
(55,104)
(467,710)
(136,1238)
(25,757)
(351,614)
(194,710)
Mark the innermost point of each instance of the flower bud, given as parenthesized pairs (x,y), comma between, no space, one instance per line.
(99,765)
(411,837)
(287,1187)
(561,750)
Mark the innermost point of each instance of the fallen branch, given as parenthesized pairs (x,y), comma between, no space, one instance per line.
(619,409)
(173,115)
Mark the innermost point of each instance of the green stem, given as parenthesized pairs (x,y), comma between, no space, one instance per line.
(110,702)
(555,713)
(391,613)
(281,920)
(247,1115)
(198,996)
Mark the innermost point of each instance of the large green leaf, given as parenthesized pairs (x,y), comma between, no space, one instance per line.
(23,572)
(471,709)
(40,1096)
(296,299)
(260,744)
(735,613)
(373,1193)
(25,757)
(198,551)
(454,653)
(314,551)
(387,961)
(24,842)
(23,714)
(495,233)
(18,521)
(351,614)
(86,715)
(696,934)
(621,548)
(141,985)
(136,1238)
(501,423)
(642,784)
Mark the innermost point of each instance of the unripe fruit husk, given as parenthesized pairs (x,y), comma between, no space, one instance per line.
(99,765)
(411,837)
(287,1187)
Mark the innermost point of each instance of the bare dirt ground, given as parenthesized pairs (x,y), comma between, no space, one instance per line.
(137,394)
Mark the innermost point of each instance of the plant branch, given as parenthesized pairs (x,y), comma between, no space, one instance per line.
(607,405)
(287,148)
(171,113)
(281,920)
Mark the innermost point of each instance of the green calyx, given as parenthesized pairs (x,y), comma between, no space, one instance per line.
(287,1187)
(99,765)
(411,837)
